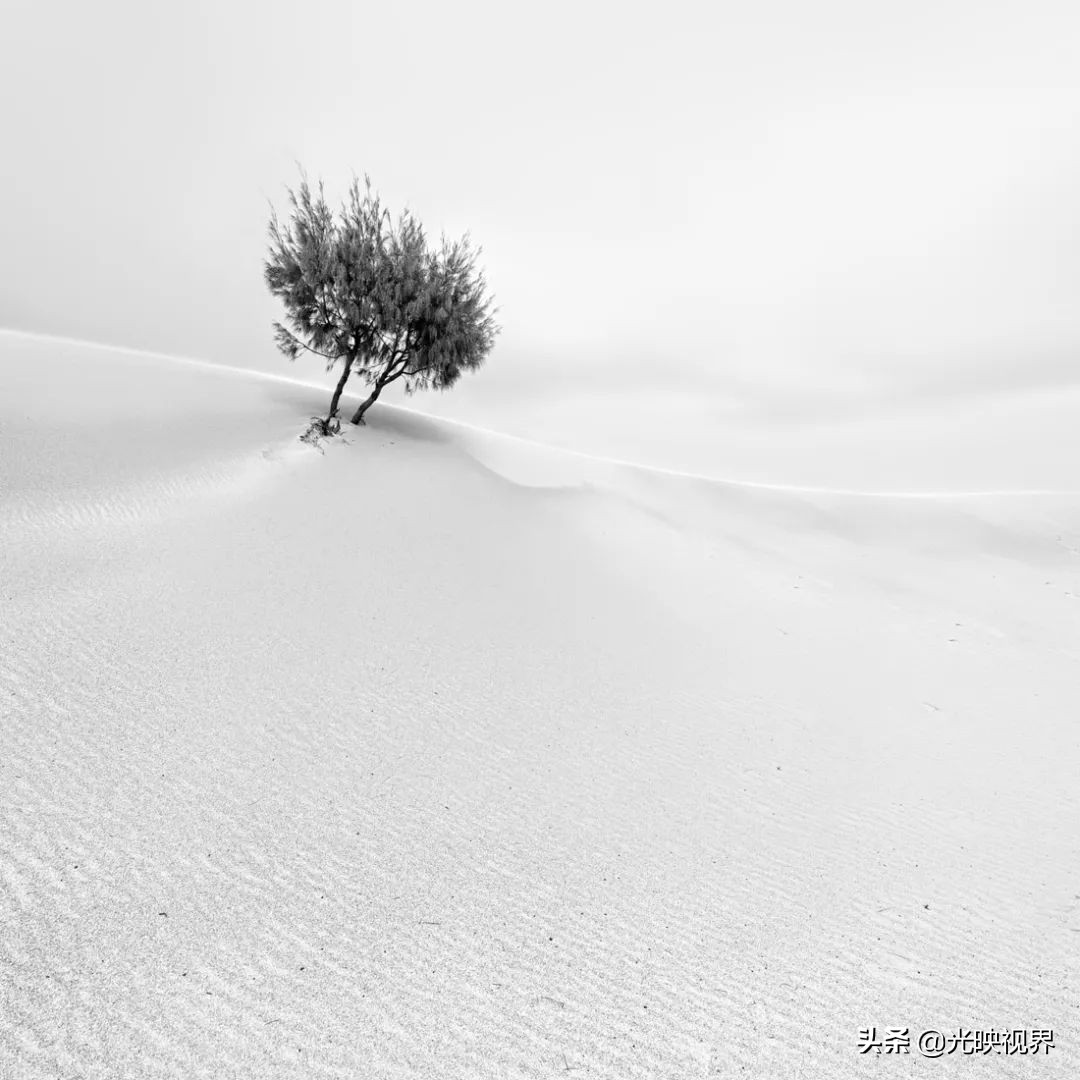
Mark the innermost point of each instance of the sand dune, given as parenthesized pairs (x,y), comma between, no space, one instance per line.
(442,754)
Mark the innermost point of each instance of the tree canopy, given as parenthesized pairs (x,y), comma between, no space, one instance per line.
(368,291)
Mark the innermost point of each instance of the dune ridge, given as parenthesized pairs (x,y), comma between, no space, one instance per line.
(551,452)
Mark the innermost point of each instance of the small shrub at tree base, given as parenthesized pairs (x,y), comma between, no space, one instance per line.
(368,292)
(320,428)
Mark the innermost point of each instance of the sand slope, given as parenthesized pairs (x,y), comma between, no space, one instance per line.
(438,754)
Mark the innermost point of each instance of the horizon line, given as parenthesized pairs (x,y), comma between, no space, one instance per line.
(214,365)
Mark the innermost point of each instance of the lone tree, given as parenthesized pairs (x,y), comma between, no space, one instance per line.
(368,292)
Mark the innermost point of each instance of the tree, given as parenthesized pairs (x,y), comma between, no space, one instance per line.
(368,292)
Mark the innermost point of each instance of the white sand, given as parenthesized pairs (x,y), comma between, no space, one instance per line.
(442,755)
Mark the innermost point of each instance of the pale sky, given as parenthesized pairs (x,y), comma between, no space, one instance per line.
(692,215)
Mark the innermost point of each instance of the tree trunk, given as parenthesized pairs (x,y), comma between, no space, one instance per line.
(358,416)
(340,386)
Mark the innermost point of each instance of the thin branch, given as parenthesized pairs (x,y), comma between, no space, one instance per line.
(303,344)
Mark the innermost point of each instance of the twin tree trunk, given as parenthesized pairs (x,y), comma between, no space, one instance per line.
(358,416)
(340,386)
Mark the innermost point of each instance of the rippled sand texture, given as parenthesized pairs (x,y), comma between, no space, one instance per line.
(434,755)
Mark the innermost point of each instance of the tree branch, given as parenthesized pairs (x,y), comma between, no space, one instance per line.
(303,345)
(403,371)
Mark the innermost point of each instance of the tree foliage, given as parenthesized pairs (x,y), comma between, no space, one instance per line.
(368,291)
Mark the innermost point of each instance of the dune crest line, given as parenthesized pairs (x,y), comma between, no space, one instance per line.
(756,485)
